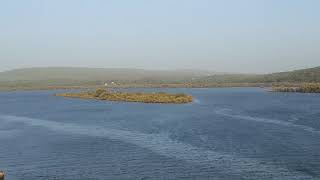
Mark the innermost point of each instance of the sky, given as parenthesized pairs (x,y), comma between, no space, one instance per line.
(247,36)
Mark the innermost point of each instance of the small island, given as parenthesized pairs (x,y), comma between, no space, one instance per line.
(159,97)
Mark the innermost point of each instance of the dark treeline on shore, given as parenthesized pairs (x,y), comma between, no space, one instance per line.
(301,88)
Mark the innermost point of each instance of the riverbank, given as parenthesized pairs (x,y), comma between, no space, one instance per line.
(159,97)
(131,85)
(276,87)
(300,88)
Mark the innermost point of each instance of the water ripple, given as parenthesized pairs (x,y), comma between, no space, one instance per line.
(228,113)
(161,144)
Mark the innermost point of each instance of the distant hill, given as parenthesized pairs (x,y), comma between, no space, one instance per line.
(297,76)
(73,75)
(303,75)
(56,76)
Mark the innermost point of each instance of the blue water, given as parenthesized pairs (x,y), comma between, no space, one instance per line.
(227,133)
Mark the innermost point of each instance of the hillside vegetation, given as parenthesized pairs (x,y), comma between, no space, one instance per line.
(76,76)
(311,75)
(64,77)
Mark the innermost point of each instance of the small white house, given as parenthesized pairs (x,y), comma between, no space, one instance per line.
(112,83)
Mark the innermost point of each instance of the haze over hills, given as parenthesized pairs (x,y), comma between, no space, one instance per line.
(97,76)
(75,75)
(296,76)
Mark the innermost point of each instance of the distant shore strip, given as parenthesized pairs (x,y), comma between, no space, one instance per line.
(301,88)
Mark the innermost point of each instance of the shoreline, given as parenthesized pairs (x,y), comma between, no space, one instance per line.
(273,87)
(124,86)
(303,88)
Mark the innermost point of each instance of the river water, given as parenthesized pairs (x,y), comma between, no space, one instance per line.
(226,133)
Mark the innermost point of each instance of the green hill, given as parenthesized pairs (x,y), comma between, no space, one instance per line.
(311,75)
(80,76)
(66,76)
(304,75)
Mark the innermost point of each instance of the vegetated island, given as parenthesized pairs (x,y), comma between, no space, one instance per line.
(159,97)
(299,88)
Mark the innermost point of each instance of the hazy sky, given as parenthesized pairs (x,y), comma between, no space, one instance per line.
(220,35)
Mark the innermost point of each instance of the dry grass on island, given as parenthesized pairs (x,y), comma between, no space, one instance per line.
(159,97)
(300,88)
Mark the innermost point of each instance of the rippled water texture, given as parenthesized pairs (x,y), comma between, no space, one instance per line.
(227,133)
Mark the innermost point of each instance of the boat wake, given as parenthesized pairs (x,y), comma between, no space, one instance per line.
(228,113)
(161,144)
